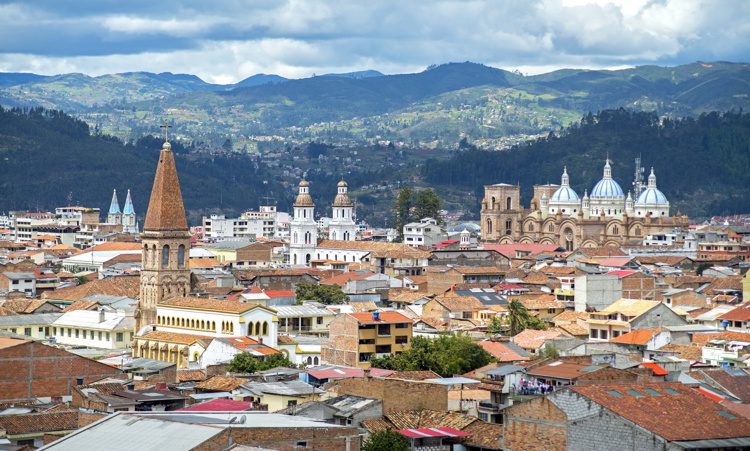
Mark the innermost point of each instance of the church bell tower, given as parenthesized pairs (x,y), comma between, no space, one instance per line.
(166,242)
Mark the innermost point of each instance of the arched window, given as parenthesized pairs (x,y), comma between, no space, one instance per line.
(265,328)
(181,256)
(231,328)
(508,203)
(315,361)
(489,225)
(531,227)
(637,231)
(257,328)
(295,238)
(153,255)
(615,230)
(492,202)
(295,259)
(551,228)
(508,226)
(309,360)
(165,255)
(213,326)
(307,259)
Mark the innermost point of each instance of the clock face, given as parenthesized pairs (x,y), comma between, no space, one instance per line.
(569,235)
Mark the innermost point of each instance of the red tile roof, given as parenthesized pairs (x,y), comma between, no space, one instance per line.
(636,337)
(620,273)
(687,415)
(655,368)
(501,351)
(509,250)
(740,313)
(385,317)
(280,293)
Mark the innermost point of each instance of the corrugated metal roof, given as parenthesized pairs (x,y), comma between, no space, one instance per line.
(32,319)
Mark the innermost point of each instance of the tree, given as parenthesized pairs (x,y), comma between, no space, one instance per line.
(385,440)
(402,210)
(227,146)
(427,205)
(520,319)
(446,355)
(325,294)
(702,267)
(245,362)
(496,325)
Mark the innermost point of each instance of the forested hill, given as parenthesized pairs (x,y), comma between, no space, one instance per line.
(48,157)
(702,164)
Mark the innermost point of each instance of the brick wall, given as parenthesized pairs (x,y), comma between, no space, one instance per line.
(396,394)
(34,370)
(535,425)
(640,286)
(341,346)
(606,375)
(286,439)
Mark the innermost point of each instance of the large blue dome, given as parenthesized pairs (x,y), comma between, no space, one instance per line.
(652,196)
(607,188)
(564,194)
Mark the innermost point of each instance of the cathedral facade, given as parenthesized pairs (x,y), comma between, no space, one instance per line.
(557,215)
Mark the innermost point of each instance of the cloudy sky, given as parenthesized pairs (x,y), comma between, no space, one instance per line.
(224,41)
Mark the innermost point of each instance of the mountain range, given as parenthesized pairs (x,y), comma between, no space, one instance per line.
(439,106)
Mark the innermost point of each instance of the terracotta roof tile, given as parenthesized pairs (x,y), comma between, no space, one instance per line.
(190,375)
(174,337)
(39,422)
(534,339)
(114,286)
(221,383)
(459,303)
(728,335)
(740,313)
(413,375)
(385,317)
(504,352)
(209,304)
(636,337)
(390,250)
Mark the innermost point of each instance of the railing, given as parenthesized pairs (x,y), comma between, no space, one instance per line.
(491,406)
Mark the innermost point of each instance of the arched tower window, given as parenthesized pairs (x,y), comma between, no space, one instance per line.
(165,255)
(265,328)
(492,202)
(508,226)
(181,256)
(508,203)
(489,225)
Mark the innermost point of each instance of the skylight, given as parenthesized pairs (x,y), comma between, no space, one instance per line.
(615,393)
(726,414)
(634,393)
(651,391)
(671,391)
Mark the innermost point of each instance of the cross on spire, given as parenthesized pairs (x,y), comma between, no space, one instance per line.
(166,128)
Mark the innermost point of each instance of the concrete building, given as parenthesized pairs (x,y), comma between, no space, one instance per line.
(93,329)
(627,315)
(596,291)
(223,350)
(357,337)
(264,223)
(21,282)
(426,232)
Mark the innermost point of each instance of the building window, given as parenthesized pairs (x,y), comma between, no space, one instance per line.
(107,336)
(291,402)
(181,256)
(100,336)
(604,335)
(165,255)
(489,225)
(402,325)
(402,339)
(27,331)
(508,204)
(594,333)
(319,320)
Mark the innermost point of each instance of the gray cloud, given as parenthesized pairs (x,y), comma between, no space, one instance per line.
(225,41)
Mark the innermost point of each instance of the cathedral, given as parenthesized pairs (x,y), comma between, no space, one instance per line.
(304,229)
(557,215)
(126,217)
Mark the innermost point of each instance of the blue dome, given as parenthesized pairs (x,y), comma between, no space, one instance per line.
(652,196)
(564,194)
(607,188)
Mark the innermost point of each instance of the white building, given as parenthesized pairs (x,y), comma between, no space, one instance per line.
(426,232)
(342,226)
(223,350)
(22,282)
(265,223)
(303,228)
(215,318)
(94,329)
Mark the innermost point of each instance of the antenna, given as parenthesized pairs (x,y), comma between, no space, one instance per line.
(638,178)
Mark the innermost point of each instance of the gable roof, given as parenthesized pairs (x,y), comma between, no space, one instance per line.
(196,303)
(739,313)
(459,303)
(385,317)
(504,351)
(114,286)
(629,307)
(534,339)
(686,415)
(174,337)
(636,337)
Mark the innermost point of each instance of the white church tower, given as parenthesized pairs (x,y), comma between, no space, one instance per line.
(342,226)
(114,216)
(303,228)
(129,224)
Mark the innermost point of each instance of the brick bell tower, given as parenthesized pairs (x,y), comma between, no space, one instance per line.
(165,271)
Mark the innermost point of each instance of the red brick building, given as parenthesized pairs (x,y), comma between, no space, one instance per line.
(29,369)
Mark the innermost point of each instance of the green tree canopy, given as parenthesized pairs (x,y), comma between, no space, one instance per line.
(246,363)
(446,355)
(325,294)
(385,440)
(427,205)
(402,207)
(520,319)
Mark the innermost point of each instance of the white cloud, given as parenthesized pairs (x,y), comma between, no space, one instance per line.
(225,41)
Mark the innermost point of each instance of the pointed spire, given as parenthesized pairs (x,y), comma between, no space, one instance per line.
(586,193)
(128,209)
(652,179)
(165,208)
(607,169)
(564,180)
(114,207)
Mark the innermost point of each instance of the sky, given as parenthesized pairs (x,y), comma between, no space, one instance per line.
(224,41)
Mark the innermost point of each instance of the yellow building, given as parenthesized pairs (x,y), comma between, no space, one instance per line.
(172,347)
(626,315)
(746,287)
(357,337)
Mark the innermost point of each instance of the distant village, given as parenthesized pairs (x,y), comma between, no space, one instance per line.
(605,320)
